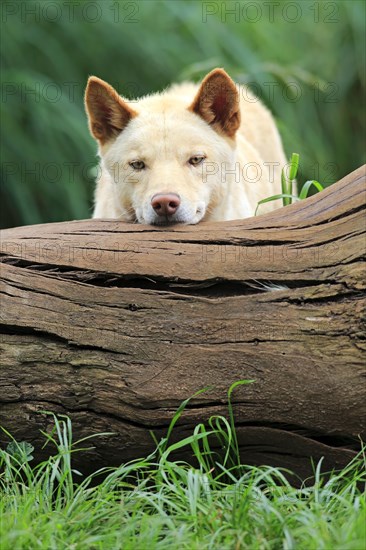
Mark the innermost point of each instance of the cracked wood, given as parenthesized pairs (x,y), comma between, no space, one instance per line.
(116,324)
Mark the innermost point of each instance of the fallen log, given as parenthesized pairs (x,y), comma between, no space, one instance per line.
(116,324)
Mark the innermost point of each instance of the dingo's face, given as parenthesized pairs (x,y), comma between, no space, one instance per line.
(161,166)
(164,159)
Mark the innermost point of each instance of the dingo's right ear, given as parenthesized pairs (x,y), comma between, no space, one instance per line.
(108,114)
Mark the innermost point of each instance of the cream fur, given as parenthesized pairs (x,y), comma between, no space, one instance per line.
(165,134)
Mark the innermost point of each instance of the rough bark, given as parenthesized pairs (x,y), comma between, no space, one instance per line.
(116,324)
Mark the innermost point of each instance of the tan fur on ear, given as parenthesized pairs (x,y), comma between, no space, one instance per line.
(217,102)
(108,114)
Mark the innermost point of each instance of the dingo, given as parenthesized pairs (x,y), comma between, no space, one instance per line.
(190,153)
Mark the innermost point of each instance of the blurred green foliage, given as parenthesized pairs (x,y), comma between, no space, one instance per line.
(305,59)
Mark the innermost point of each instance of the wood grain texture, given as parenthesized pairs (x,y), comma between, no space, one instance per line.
(116,324)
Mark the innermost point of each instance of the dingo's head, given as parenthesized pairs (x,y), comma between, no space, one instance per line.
(164,152)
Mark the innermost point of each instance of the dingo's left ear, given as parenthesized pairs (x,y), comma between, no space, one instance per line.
(217,102)
(108,114)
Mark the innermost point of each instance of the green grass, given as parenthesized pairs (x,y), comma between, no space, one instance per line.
(163,503)
(310,72)
(289,185)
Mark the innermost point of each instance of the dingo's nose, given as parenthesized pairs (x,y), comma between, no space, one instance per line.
(165,204)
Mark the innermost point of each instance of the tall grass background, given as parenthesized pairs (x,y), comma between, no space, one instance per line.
(305,60)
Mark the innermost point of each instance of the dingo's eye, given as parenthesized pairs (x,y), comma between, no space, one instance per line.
(137,165)
(196,160)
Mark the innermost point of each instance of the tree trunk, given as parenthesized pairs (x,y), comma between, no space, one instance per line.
(116,324)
